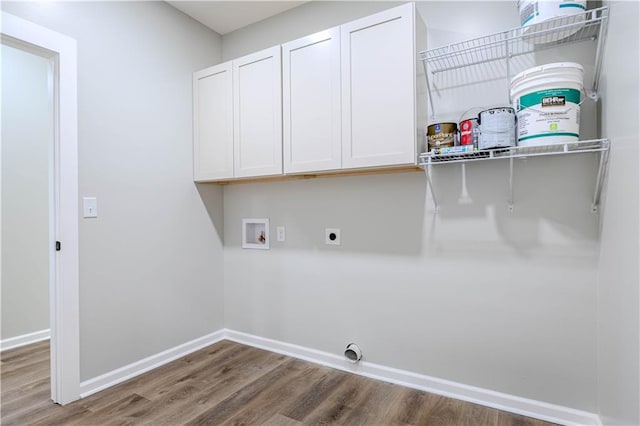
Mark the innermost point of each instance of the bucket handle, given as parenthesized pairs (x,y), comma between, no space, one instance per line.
(461,119)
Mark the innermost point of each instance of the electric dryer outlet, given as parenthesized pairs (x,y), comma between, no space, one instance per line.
(332,236)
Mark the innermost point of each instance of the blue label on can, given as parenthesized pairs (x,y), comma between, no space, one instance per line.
(437,127)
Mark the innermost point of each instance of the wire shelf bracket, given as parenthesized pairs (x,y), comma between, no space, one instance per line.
(599,146)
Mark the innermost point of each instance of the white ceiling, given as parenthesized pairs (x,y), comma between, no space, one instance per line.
(226,16)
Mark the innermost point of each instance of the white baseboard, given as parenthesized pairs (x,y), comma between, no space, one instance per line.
(25,339)
(127,372)
(501,401)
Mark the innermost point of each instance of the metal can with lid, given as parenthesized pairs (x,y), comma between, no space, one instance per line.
(498,128)
(469,132)
(440,135)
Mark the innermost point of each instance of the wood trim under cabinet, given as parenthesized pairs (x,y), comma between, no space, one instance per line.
(334,173)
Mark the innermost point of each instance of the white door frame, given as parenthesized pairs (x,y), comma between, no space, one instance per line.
(64,298)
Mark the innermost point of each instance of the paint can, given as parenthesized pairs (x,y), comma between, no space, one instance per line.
(547,101)
(440,135)
(534,13)
(497,128)
(469,131)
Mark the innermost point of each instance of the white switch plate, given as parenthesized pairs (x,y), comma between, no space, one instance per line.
(280,235)
(332,236)
(90,207)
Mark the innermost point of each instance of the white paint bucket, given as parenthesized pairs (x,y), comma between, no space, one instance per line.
(497,128)
(547,101)
(533,13)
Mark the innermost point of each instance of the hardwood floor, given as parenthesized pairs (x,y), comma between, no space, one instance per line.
(232,384)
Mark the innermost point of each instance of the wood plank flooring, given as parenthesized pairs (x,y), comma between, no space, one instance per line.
(232,384)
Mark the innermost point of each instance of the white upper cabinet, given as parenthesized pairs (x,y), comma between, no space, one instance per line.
(257,122)
(340,99)
(379,89)
(213,123)
(311,103)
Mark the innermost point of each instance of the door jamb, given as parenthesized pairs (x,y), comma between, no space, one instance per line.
(64,288)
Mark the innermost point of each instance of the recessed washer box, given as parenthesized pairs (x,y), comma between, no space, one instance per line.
(255,233)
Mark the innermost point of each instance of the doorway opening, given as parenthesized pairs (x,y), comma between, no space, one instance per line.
(27,196)
(60,52)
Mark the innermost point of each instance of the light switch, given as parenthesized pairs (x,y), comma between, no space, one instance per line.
(90,206)
(280,233)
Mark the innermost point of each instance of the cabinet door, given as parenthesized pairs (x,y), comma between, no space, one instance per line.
(311,103)
(257,99)
(213,123)
(378,89)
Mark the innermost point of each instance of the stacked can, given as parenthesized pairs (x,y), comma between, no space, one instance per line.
(441,135)
(469,132)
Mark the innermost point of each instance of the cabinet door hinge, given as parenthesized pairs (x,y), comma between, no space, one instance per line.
(57,245)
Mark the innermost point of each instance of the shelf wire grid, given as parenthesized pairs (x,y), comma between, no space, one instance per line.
(596,145)
(518,41)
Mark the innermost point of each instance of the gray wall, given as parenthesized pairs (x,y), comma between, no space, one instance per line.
(27,143)
(151,263)
(294,23)
(618,304)
(472,294)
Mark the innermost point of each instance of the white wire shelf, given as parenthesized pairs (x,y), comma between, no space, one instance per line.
(505,45)
(590,25)
(596,145)
(517,41)
(429,159)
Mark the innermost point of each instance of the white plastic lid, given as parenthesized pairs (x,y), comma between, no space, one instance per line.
(544,68)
